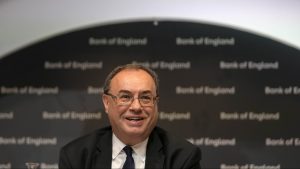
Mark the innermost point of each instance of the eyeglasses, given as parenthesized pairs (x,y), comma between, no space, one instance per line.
(125,99)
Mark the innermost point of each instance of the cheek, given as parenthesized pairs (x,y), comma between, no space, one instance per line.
(116,112)
(153,113)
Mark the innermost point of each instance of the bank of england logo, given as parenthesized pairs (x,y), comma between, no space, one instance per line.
(32,165)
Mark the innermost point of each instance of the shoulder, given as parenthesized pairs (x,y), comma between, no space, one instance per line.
(80,152)
(88,141)
(172,140)
(179,153)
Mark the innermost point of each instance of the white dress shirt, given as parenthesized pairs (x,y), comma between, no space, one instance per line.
(119,156)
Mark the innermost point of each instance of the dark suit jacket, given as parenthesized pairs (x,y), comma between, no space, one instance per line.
(163,151)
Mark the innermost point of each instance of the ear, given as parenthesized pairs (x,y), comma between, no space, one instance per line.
(105,102)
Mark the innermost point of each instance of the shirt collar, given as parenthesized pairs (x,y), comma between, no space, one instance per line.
(117,146)
(139,149)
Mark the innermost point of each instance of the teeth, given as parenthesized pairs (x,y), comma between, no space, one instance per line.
(134,118)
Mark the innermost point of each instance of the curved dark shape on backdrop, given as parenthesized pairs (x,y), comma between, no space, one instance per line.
(232,93)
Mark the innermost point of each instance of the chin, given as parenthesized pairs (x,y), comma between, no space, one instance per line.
(134,131)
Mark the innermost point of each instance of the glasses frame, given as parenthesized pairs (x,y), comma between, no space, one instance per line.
(115,98)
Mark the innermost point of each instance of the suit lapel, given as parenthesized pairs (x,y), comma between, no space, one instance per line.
(103,155)
(154,155)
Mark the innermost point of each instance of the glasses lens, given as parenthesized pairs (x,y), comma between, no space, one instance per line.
(146,100)
(127,98)
(124,98)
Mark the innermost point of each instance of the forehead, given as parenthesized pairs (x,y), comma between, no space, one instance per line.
(135,80)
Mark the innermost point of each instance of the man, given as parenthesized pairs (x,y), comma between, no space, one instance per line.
(133,140)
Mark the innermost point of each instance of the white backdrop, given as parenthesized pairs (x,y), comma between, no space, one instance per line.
(25,22)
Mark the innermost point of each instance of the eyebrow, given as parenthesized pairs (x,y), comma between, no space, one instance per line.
(143,92)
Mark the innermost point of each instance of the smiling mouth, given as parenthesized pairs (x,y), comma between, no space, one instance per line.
(134,118)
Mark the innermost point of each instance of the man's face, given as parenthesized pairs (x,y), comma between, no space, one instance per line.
(131,123)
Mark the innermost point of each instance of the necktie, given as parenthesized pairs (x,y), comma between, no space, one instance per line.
(129,163)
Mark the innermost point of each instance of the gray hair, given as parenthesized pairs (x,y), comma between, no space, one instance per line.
(118,69)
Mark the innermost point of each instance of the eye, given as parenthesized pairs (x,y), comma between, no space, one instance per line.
(125,97)
(146,98)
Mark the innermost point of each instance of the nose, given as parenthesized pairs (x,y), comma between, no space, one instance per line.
(135,105)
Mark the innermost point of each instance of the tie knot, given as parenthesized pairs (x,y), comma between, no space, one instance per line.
(128,150)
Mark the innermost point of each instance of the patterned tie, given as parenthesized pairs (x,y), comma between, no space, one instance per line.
(129,163)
